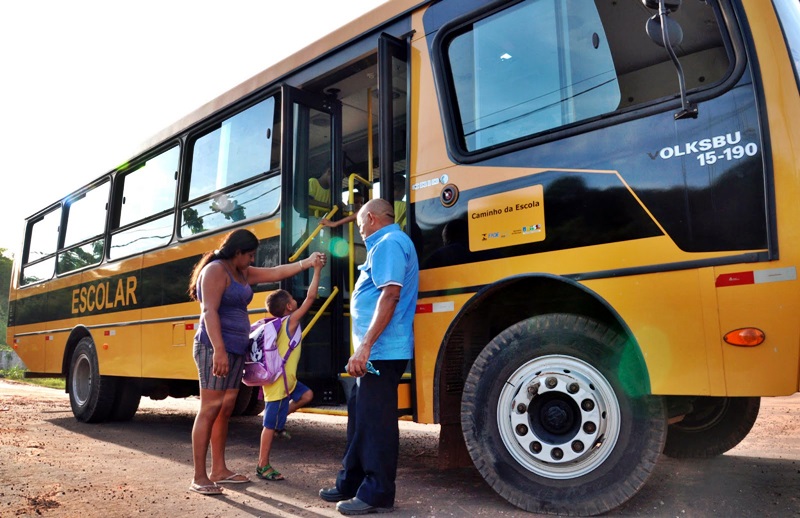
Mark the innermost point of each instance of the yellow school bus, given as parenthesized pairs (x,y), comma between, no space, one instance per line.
(603,198)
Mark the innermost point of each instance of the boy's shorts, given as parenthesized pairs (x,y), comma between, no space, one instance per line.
(275,412)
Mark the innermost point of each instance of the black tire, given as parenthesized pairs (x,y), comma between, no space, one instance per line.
(714,426)
(256,405)
(577,433)
(242,400)
(91,395)
(128,397)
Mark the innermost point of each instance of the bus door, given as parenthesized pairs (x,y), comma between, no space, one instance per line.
(311,170)
(394,174)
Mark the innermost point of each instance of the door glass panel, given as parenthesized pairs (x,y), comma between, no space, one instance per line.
(312,183)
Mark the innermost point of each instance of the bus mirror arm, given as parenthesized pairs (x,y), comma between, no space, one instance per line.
(666,32)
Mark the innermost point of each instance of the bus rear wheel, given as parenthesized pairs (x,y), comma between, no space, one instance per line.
(555,417)
(127,399)
(91,395)
(243,399)
(714,426)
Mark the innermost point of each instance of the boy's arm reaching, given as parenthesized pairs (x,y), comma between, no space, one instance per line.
(311,296)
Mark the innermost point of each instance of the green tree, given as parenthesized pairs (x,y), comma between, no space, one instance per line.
(5,284)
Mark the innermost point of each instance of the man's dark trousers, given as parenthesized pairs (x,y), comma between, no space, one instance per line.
(369,466)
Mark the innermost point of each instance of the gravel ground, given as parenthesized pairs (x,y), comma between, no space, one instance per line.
(51,465)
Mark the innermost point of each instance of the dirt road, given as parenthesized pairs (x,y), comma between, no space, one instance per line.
(53,466)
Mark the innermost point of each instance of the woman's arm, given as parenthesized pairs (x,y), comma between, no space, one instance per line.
(257,274)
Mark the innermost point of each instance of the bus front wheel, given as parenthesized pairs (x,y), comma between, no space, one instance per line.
(555,417)
(91,395)
(714,426)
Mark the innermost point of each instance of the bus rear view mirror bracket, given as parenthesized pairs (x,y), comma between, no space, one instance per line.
(666,32)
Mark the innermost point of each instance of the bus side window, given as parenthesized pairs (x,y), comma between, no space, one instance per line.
(537,66)
(234,172)
(39,258)
(85,229)
(530,68)
(144,205)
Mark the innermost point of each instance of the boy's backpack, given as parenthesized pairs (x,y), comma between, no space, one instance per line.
(263,363)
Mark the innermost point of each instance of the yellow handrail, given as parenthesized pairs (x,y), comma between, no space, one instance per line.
(319,313)
(307,242)
(351,185)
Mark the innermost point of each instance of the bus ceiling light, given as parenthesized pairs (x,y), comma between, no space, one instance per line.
(745,337)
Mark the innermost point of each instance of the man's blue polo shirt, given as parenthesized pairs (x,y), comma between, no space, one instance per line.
(391,259)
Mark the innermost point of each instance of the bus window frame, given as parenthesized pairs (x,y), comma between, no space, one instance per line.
(189,139)
(118,191)
(103,235)
(25,263)
(730,31)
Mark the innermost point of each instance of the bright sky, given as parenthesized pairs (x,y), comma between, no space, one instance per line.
(85,82)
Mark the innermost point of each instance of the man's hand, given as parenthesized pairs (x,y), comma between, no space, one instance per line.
(357,364)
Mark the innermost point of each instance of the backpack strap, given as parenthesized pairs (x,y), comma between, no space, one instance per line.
(294,341)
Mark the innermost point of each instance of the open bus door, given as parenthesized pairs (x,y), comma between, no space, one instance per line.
(311,169)
(394,175)
(317,184)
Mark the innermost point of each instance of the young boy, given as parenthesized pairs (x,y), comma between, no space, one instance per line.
(279,404)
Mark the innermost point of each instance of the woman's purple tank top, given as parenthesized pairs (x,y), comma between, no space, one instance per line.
(233,317)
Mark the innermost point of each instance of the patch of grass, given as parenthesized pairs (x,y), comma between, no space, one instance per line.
(18,374)
(5,347)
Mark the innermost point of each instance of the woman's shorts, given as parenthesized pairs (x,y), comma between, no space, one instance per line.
(204,358)
(275,412)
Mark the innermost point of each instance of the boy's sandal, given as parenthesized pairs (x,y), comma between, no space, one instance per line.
(268,473)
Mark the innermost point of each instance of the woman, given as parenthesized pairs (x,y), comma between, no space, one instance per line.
(221,283)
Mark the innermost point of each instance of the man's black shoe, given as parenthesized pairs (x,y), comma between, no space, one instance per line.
(332,494)
(354,506)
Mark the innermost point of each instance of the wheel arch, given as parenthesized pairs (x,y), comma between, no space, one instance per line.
(75,336)
(499,305)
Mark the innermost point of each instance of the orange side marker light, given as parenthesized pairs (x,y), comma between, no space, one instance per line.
(745,337)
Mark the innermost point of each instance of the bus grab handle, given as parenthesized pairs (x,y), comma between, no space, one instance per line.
(319,313)
(307,242)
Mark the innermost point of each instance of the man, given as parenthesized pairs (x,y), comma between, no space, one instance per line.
(382,307)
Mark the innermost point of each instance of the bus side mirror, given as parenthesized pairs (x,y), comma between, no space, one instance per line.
(674,31)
